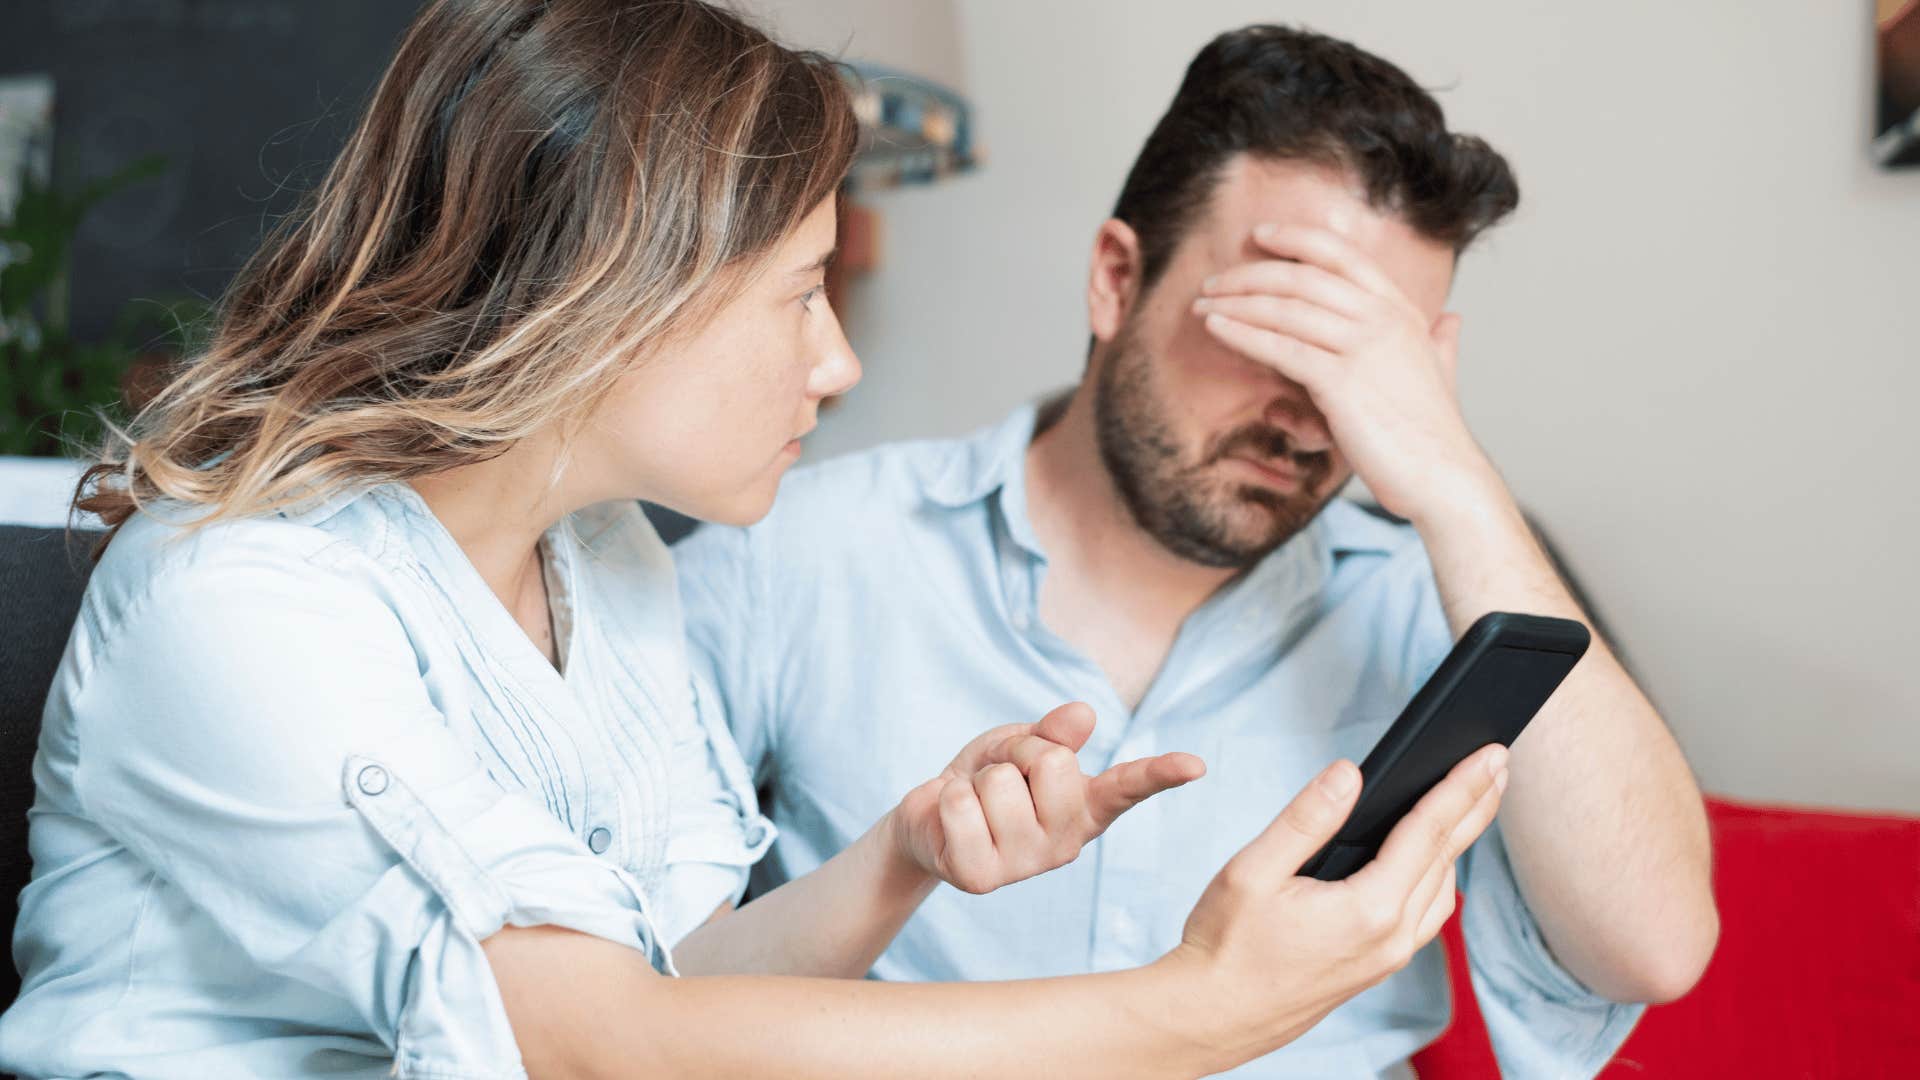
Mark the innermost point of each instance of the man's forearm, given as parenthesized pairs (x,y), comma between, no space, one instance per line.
(1603,819)
(834,922)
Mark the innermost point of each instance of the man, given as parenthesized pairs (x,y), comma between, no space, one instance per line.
(1267,308)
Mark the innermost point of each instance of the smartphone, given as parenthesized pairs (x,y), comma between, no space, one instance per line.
(1496,678)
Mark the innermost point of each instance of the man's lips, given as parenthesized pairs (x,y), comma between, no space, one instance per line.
(1278,472)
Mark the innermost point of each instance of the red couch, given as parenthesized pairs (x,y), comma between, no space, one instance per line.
(1817,974)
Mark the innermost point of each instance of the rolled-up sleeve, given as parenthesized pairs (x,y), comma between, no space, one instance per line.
(718,830)
(1541,1020)
(258,733)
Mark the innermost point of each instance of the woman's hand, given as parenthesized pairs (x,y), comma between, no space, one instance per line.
(1267,954)
(1014,803)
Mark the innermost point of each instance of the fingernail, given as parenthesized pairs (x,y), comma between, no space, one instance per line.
(1203,305)
(1265,232)
(1208,285)
(1497,761)
(1500,781)
(1338,781)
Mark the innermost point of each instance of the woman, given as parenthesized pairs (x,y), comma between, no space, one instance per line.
(374,750)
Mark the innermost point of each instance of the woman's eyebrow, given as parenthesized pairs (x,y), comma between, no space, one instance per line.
(816,265)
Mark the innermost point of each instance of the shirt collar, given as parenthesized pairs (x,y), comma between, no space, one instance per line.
(1350,529)
(985,461)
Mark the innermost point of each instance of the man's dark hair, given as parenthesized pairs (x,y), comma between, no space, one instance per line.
(1281,94)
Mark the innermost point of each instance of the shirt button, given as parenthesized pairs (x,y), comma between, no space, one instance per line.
(372,780)
(599,840)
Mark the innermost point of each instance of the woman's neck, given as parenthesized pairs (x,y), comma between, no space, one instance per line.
(497,510)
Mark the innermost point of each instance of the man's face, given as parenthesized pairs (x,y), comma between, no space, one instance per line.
(1220,458)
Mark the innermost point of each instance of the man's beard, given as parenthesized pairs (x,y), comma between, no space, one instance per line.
(1192,512)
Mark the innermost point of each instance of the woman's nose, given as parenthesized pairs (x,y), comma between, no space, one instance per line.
(838,368)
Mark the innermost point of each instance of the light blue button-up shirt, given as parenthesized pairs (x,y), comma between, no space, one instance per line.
(886,612)
(295,768)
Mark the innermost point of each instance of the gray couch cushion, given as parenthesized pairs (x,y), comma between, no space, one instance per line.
(42,574)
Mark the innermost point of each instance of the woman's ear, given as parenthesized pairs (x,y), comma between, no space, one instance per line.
(1113,278)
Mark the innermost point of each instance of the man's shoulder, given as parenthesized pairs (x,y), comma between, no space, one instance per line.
(1353,528)
(1381,582)
(889,477)
(856,497)
(828,514)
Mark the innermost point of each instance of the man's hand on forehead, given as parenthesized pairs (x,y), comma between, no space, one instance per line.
(1324,314)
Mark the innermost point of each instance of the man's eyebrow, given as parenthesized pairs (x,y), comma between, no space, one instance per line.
(816,265)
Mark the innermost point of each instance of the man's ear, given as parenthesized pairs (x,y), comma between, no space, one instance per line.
(1113,278)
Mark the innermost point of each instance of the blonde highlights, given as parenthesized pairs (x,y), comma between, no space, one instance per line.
(539,193)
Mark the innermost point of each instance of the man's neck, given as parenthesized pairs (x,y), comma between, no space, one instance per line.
(1111,589)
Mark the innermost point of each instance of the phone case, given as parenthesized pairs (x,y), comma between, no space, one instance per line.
(1496,678)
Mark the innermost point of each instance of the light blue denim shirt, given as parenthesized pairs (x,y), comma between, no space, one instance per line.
(886,613)
(295,768)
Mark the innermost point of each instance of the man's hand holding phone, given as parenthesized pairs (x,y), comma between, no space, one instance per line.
(1267,953)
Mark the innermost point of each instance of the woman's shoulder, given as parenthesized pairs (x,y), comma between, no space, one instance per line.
(160,550)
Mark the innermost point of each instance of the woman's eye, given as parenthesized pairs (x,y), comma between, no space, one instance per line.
(807,298)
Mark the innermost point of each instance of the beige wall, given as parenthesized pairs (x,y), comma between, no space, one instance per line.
(920,36)
(1694,351)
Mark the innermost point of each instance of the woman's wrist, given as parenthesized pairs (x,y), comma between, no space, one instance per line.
(1185,1000)
(898,874)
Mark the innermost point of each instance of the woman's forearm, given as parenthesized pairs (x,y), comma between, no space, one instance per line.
(582,1007)
(834,922)
(1103,1026)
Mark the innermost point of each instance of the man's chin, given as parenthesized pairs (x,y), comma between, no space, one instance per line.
(1258,521)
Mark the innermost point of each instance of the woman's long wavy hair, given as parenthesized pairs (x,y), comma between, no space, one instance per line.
(540,193)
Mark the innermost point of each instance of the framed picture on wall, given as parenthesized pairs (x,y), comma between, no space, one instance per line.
(1896,140)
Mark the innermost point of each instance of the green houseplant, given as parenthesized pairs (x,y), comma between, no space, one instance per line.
(52,386)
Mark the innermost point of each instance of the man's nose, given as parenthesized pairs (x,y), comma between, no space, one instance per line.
(1306,428)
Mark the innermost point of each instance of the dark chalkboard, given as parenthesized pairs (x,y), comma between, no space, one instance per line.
(249,99)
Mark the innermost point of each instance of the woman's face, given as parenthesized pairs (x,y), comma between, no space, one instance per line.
(708,427)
